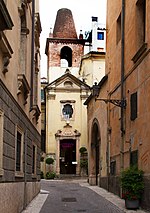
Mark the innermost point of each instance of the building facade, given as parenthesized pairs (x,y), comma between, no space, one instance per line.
(66,129)
(92,67)
(65,115)
(127,99)
(19,104)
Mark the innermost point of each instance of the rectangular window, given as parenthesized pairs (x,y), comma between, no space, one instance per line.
(134,158)
(118,33)
(42,95)
(113,167)
(34,150)
(1,141)
(43,144)
(19,152)
(141,21)
(100,35)
(133,106)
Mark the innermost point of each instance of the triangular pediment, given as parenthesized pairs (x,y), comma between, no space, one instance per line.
(68,81)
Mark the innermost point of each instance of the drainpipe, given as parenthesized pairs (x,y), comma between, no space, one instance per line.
(122,85)
(25,170)
(32,55)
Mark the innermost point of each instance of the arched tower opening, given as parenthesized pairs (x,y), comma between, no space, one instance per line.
(66,56)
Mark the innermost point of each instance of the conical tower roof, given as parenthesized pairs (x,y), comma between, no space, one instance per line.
(64,25)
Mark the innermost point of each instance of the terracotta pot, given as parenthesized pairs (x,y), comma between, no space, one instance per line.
(132,204)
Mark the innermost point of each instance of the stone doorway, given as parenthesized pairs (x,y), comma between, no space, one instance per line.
(67,156)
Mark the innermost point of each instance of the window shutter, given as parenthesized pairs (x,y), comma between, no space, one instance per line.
(134,158)
(133,106)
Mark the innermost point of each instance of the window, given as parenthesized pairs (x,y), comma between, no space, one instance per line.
(141,45)
(141,21)
(19,152)
(113,167)
(118,33)
(100,35)
(134,158)
(1,141)
(34,148)
(67,111)
(133,106)
(43,144)
(68,84)
(42,95)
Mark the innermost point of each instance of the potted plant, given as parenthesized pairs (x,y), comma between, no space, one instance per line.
(50,175)
(84,167)
(83,150)
(132,185)
(49,160)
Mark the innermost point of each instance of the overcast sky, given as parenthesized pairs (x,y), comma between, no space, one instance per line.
(82,11)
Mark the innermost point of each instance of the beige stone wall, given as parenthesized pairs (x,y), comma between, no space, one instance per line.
(92,68)
(15,107)
(9,191)
(15,67)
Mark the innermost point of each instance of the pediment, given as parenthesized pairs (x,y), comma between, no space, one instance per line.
(68,82)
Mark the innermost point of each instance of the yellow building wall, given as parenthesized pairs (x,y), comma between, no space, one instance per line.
(55,121)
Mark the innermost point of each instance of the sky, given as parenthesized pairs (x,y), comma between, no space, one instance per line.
(82,11)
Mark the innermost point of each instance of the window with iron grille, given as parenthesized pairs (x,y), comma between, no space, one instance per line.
(18,151)
(33,159)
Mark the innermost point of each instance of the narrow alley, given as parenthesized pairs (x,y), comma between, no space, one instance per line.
(71,195)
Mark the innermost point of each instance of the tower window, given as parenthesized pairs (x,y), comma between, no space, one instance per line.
(66,56)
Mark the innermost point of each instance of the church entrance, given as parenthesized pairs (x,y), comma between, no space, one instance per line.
(67,156)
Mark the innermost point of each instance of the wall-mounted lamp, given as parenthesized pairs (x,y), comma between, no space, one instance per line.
(116,102)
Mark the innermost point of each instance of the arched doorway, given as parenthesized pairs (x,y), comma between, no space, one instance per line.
(95,152)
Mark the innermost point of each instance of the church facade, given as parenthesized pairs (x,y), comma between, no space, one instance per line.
(65,114)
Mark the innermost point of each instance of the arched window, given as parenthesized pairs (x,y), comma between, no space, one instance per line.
(66,57)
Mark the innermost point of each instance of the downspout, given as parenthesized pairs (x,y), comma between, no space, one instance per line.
(32,55)
(122,128)
(25,170)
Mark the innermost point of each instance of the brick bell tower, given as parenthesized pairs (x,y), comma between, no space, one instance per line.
(63,48)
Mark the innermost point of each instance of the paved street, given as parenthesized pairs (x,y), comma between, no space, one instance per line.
(68,196)
(60,196)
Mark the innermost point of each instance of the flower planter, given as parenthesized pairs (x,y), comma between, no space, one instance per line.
(132,204)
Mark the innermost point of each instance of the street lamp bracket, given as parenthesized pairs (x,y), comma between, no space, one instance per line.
(116,102)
